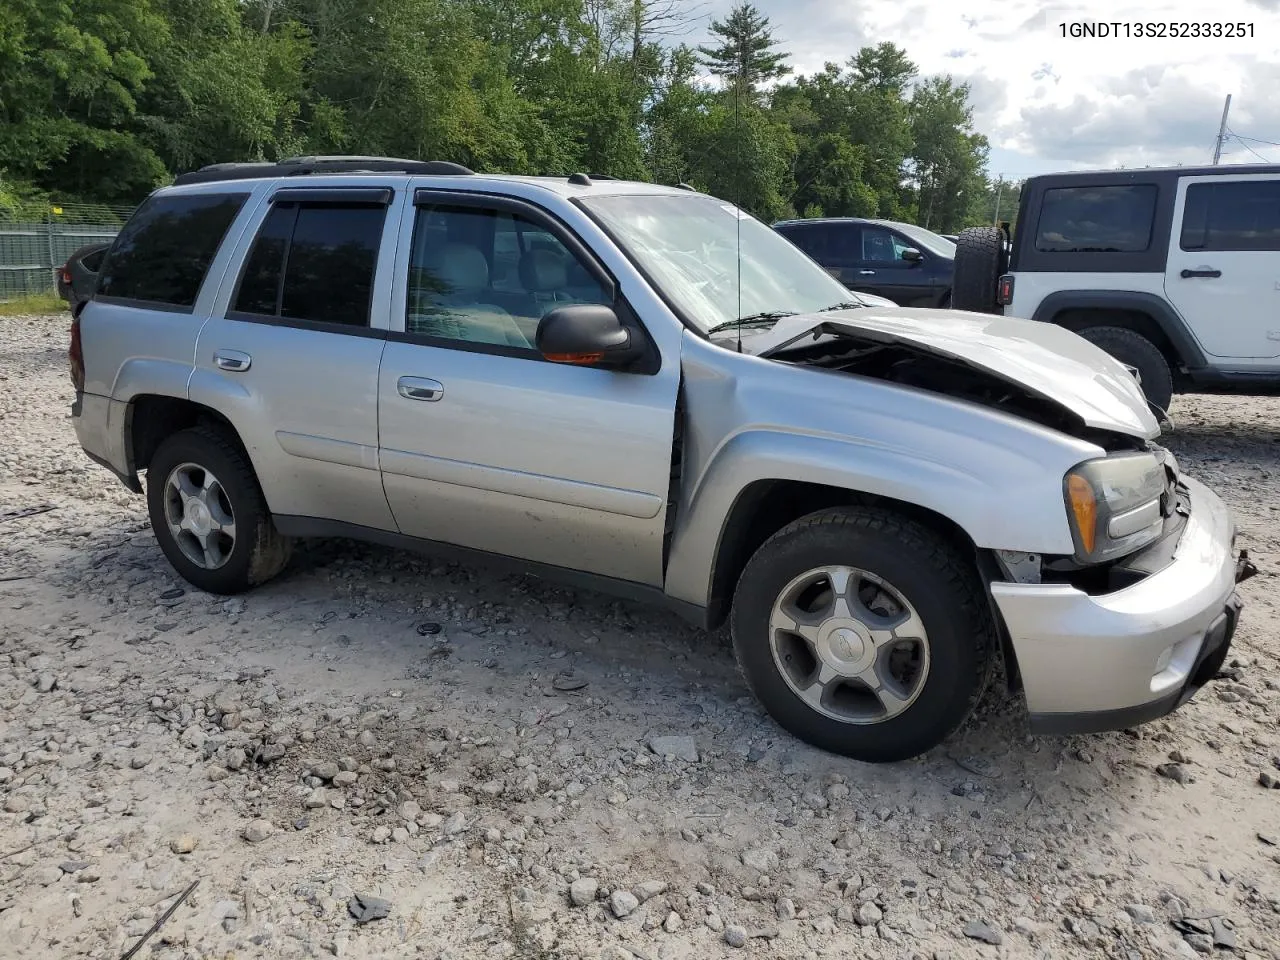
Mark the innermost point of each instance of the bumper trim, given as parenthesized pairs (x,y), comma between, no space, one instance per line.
(1209,661)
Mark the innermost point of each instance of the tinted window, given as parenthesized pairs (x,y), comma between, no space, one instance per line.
(882,246)
(164,251)
(1115,219)
(1242,215)
(313,262)
(260,285)
(482,276)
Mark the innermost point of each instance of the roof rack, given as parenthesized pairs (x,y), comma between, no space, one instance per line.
(303,166)
(685,186)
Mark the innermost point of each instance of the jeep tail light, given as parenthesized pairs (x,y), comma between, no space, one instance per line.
(75,354)
(1004,290)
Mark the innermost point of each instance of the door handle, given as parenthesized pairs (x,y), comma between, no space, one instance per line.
(232,360)
(1206,272)
(420,388)
(867,273)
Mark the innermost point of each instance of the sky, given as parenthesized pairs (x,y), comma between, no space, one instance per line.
(1049,103)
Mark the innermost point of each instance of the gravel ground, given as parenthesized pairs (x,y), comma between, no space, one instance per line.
(380,755)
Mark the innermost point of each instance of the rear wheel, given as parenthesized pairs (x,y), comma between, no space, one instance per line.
(863,633)
(1135,350)
(209,515)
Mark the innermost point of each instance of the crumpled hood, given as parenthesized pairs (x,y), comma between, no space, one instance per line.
(1046,359)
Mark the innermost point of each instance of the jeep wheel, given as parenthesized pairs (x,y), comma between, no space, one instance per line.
(1137,351)
(863,633)
(209,515)
(978,264)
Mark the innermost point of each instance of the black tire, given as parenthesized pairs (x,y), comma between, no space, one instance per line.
(979,263)
(930,573)
(258,551)
(1137,351)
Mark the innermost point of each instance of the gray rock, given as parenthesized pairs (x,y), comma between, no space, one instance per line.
(682,748)
(345,778)
(409,810)
(1200,942)
(325,771)
(735,936)
(455,824)
(761,861)
(258,830)
(366,908)
(1269,780)
(183,844)
(980,930)
(1140,912)
(583,892)
(1175,772)
(649,889)
(673,922)
(45,682)
(235,758)
(785,908)
(316,799)
(868,915)
(623,903)
(45,876)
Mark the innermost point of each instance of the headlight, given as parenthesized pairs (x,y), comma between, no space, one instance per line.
(1114,505)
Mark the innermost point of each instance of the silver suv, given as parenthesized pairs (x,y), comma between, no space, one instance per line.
(644,390)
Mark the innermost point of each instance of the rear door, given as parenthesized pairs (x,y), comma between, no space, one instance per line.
(487,445)
(1223,271)
(291,352)
(834,245)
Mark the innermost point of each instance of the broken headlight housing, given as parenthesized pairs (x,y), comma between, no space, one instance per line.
(1114,505)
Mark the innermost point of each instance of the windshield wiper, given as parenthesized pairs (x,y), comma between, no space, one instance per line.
(843,305)
(752,320)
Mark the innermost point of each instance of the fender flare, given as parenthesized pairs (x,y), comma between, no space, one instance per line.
(1157,308)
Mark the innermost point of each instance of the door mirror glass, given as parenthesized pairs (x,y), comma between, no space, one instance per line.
(586,334)
(911,255)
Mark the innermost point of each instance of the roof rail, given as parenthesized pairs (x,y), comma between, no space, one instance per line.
(302,166)
(580,180)
(685,186)
(601,176)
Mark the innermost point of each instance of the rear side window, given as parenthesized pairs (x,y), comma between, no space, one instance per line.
(1238,215)
(313,262)
(821,241)
(164,251)
(1110,219)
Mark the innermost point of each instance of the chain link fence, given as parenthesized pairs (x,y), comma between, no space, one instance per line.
(36,240)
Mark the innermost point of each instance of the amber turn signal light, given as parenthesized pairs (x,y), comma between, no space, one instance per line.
(1085,507)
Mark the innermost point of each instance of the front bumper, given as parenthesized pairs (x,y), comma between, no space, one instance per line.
(1104,662)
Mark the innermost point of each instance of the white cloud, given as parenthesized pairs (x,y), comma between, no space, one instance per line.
(1051,102)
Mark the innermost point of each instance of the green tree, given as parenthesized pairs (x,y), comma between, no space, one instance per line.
(948,159)
(746,56)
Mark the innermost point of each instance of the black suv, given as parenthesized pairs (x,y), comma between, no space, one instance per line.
(898,261)
(1175,271)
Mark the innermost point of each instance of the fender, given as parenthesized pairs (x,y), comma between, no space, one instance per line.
(1155,307)
(1009,514)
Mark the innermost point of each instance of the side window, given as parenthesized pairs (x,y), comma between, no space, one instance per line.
(486,276)
(1116,219)
(164,251)
(313,262)
(882,246)
(1239,215)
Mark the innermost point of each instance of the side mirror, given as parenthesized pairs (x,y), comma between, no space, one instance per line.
(912,255)
(587,335)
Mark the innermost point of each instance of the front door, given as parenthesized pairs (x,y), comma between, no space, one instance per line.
(486,445)
(882,271)
(291,357)
(1223,270)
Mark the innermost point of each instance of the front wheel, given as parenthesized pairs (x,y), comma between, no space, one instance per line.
(863,633)
(209,515)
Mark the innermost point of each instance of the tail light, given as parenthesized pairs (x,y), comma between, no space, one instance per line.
(66,275)
(75,354)
(1004,290)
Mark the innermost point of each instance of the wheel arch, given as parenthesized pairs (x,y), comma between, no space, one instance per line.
(151,417)
(764,507)
(1143,313)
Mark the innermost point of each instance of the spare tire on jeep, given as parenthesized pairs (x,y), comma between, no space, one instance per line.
(980,261)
